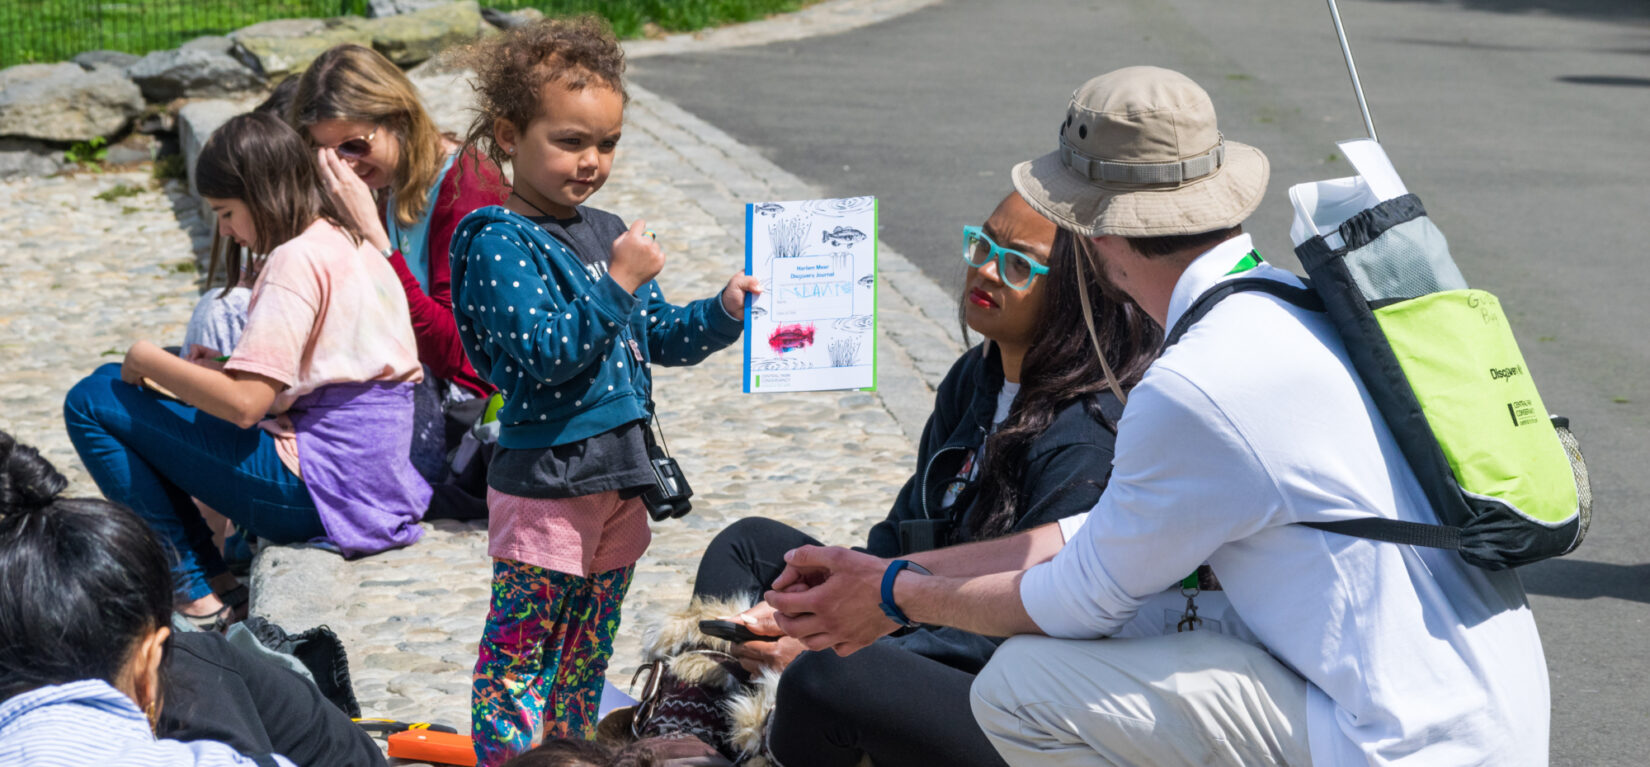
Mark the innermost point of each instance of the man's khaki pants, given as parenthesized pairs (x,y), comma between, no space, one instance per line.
(1195,698)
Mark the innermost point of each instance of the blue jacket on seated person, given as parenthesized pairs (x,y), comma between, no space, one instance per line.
(569,351)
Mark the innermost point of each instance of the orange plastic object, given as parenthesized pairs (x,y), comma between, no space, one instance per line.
(438,747)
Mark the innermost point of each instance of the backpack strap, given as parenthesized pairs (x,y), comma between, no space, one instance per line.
(1394,531)
(1371,528)
(1301,297)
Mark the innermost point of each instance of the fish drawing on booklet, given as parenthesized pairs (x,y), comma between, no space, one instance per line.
(841,236)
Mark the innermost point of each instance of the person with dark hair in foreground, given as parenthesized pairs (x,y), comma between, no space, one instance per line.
(564,752)
(85,620)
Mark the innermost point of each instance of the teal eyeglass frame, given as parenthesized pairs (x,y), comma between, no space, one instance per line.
(998,253)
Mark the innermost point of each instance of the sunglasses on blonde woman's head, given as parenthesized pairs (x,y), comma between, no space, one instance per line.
(356,148)
(1014,269)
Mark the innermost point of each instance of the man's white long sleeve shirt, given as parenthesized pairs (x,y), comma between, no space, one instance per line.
(1255,421)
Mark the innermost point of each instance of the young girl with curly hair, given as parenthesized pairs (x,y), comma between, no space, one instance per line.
(557,306)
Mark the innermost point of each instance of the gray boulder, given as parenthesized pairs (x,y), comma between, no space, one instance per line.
(286,46)
(294,586)
(135,148)
(414,37)
(511,19)
(212,43)
(19,157)
(63,102)
(201,67)
(196,121)
(116,59)
(156,119)
(378,9)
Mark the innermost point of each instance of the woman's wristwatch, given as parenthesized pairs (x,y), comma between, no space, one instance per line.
(888,607)
(387,252)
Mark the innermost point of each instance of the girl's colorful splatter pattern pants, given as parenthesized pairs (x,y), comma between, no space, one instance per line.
(543,656)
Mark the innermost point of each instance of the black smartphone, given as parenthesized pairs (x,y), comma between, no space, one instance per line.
(737,633)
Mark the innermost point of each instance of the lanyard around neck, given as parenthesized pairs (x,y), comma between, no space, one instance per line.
(1250,260)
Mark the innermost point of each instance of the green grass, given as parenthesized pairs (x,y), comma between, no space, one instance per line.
(118,191)
(630,17)
(56,30)
(170,166)
(88,152)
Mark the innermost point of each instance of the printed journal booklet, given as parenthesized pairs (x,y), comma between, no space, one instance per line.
(815,325)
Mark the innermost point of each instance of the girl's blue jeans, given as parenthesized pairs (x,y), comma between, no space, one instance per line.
(153,455)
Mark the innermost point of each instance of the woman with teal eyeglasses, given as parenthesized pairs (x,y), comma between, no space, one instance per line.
(1021,435)
(1014,268)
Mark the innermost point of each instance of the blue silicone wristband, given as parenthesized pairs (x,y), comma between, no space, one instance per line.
(888,607)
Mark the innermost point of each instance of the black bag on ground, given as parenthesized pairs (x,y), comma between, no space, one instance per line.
(320,650)
(463,494)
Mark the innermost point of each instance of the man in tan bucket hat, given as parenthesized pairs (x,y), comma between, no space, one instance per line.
(1140,156)
(1247,429)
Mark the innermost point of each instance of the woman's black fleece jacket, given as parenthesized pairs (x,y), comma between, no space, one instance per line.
(1066,469)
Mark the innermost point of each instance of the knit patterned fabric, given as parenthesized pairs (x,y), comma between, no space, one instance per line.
(694,707)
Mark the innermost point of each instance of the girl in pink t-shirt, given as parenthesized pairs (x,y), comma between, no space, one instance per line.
(303,432)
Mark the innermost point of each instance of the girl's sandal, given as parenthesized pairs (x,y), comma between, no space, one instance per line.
(233,611)
(216,621)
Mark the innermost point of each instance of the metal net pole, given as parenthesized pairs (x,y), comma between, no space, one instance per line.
(1352,69)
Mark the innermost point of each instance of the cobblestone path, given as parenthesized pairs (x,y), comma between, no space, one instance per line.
(82,277)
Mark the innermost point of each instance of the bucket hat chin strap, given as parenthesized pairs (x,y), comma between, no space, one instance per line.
(1190,169)
(1115,385)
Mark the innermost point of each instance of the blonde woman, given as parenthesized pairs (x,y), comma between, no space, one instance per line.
(403,184)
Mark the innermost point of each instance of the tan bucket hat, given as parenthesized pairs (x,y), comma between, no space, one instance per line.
(1140,156)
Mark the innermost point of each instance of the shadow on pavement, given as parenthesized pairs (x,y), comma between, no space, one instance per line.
(1608,10)
(1499,47)
(1612,80)
(1579,579)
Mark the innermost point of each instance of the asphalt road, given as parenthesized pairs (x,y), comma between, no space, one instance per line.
(1521,123)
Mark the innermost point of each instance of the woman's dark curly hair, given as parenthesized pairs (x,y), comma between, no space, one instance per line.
(565,752)
(81,579)
(512,69)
